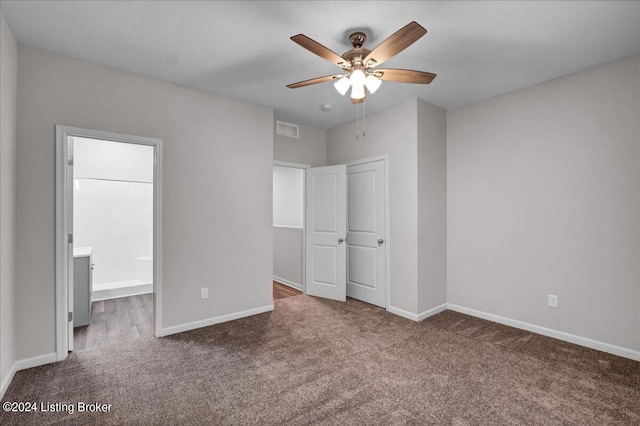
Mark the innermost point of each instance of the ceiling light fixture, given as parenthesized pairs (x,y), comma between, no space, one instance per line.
(372,83)
(360,65)
(357,80)
(342,85)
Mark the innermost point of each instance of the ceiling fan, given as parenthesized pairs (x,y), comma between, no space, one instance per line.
(360,64)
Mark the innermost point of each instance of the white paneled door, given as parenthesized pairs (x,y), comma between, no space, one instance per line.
(326,232)
(366,253)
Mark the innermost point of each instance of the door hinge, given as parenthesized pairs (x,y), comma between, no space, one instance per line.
(70,316)
(70,161)
(70,239)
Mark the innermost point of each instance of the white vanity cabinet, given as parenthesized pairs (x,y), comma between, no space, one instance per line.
(82,285)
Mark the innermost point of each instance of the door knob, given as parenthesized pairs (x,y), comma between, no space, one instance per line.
(340,240)
(380,241)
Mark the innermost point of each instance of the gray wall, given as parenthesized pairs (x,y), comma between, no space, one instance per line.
(543,197)
(8,99)
(392,132)
(287,254)
(217,181)
(310,148)
(432,206)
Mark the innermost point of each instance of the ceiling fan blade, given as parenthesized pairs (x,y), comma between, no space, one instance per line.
(395,44)
(404,76)
(313,81)
(357,101)
(315,47)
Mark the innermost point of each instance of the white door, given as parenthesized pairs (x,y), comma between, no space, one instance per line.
(69,184)
(326,230)
(366,223)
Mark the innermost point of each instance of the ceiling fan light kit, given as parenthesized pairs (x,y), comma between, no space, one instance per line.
(359,63)
(342,85)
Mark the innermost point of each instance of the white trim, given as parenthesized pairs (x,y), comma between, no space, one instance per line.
(115,293)
(157,236)
(61,252)
(560,335)
(7,380)
(23,364)
(288,283)
(304,229)
(431,312)
(417,317)
(301,228)
(384,157)
(387,225)
(36,361)
(215,320)
(288,164)
(62,256)
(404,314)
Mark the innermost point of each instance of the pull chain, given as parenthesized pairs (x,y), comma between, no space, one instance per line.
(357,123)
(364,134)
(364,115)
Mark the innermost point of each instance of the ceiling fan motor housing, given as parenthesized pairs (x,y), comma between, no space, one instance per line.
(355,56)
(357,39)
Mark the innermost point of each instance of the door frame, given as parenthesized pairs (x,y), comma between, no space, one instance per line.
(62,212)
(304,168)
(387,246)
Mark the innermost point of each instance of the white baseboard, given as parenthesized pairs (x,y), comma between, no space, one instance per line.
(417,317)
(7,380)
(287,282)
(431,312)
(560,335)
(215,320)
(23,364)
(36,361)
(113,293)
(401,312)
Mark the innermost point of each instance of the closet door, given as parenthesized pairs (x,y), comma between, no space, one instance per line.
(366,252)
(326,232)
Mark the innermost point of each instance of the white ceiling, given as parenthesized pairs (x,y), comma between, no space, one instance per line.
(241,49)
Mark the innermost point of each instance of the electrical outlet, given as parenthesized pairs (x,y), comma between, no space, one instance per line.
(553,301)
(204,293)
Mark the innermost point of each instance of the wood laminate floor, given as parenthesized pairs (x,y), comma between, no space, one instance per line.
(124,318)
(281,291)
(115,320)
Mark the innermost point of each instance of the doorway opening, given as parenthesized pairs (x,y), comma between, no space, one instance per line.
(108,231)
(331,229)
(288,229)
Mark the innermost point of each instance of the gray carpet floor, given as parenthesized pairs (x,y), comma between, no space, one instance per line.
(314,361)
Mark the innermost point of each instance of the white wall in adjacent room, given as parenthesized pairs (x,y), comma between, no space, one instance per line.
(288,224)
(99,159)
(288,196)
(287,255)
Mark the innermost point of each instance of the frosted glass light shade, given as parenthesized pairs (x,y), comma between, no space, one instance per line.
(357,78)
(357,91)
(342,85)
(372,83)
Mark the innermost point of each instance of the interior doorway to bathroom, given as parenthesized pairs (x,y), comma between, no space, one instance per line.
(108,234)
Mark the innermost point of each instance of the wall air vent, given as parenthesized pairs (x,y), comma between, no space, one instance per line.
(286,129)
